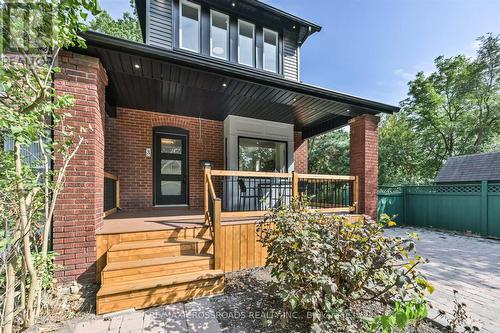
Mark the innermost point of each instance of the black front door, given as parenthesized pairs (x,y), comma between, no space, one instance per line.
(170,167)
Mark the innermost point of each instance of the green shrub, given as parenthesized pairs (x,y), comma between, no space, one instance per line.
(332,267)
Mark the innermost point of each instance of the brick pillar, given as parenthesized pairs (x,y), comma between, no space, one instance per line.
(364,160)
(300,153)
(79,208)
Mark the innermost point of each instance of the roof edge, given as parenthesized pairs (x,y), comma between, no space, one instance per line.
(202,62)
(314,27)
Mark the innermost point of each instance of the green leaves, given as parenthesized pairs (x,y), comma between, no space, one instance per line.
(329,153)
(403,314)
(452,111)
(126,27)
(333,267)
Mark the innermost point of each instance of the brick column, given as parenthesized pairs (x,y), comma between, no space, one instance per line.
(300,153)
(364,160)
(79,208)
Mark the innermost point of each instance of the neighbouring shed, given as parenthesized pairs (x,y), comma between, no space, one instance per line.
(470,168)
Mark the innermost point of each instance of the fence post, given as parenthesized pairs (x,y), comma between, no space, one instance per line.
(484,207)
(217,233)
(355,194)
(405,206)
(206,175)
(295,185)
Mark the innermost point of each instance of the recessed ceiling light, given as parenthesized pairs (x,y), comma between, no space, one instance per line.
(137,66)
(233,4)
(224,85)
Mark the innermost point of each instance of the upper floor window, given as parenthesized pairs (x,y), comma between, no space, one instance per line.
(219,35)
(270,50)
(189,26)
(246,43)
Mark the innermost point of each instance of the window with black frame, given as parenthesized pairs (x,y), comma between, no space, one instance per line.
(262,155)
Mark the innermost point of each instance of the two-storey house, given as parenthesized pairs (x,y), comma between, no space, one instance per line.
(192,136)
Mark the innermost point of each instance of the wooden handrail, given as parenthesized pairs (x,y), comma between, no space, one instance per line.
(250,174)
(110,176)
(211,188)
(326,177)
(117,193)
(214,220)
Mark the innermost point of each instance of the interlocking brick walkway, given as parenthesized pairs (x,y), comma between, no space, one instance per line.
(470,265)
(191,317)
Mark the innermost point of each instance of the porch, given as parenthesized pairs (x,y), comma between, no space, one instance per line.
(161,255)
(157,121)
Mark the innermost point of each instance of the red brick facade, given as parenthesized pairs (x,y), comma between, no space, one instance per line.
(364,160)
(300,154)
(78,211)
(118,145)
(131,132)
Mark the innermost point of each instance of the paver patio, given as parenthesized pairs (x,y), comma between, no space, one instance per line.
(470,265)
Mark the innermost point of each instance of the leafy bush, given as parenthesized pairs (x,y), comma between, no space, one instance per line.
(333,267)
(404,313)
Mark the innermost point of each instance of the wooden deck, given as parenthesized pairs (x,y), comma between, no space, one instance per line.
(158,256)
(158,219)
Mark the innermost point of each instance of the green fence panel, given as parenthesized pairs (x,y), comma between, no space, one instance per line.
(391,202)
(462,207)
(494,210)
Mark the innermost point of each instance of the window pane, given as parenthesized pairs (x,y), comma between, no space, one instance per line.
(190,28)
(171,146)
(170,187)
(171,167)
(270,50)
(262,155)
(219,35)
(245,43)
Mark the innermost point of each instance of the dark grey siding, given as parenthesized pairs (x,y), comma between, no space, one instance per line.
(160,23)
(290,56)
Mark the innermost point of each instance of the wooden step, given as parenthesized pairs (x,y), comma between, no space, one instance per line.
(178,233)
(122,271)
(159,290)
(140,250)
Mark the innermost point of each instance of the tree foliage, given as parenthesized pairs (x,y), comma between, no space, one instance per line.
(126,27)
(33,33)
(329,153)
(452,111)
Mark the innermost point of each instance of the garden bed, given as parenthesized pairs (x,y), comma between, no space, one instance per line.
(249,306)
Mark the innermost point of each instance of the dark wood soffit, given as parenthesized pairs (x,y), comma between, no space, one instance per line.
(171,87)
(168,88)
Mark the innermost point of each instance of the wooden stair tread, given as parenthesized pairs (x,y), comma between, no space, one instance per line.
(155,243)
(154,261)
(157,282)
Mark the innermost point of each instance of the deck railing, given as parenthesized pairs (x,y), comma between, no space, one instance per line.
(230,193)
(328,192)
(111,194)
(246,193)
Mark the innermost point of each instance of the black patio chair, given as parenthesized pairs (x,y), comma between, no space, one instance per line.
(245,196)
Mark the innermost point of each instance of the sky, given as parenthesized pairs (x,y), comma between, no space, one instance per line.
(372,48)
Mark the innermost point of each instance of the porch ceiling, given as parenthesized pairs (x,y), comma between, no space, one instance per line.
(177,83)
